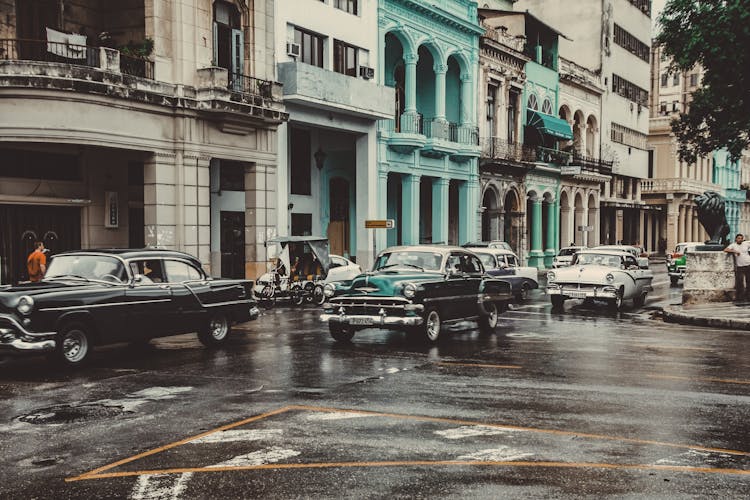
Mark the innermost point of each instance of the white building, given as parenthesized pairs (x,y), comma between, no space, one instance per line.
(327,56)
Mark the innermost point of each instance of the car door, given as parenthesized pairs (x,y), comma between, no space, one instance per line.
(633,286)
(473,272)
(454,289)
(190,291)
(149,300)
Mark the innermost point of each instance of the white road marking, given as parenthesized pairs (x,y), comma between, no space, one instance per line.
(234,435)
(160,486)
(473,430)
(337,415)
(260,457)
(695,458)
(502,454)
(134,400)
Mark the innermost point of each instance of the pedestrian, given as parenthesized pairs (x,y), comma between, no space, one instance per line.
(36,263)
(741,250)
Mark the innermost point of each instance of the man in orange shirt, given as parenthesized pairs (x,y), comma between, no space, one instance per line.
(36,264)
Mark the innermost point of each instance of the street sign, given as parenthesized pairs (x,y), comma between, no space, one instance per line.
(585,228)
(380,224)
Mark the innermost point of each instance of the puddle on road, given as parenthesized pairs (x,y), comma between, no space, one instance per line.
(68,414)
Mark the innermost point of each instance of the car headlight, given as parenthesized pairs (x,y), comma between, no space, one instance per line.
(550,276)
(25,305)
(610,278)
(329,290)
(410,290)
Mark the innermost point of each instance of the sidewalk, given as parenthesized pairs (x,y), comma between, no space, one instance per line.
(715,314)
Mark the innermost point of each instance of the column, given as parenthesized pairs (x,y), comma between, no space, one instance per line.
(366,204)
(681,225)
(619,216)
(440,210)
(578,221)
(410,97)
(382,206)
(499,222)
(658,235)
(591,236)
(260,216)
(468,210)
(642,227)
(159,201)
(467,92)
(440,70)
(565,224)
(197,211)
(536,232)
(410,209)
(695,235)
(553,221)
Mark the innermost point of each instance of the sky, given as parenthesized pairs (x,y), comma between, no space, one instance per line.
(656,7)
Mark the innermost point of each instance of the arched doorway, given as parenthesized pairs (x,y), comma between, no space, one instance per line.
(592,237)
(566,233)
(338,226)
(395,76)
(425,85)
(513,221)
(578,139)
(579,219)
(591,129)
(490,215)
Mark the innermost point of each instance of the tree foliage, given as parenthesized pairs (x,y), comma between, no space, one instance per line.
(716,35)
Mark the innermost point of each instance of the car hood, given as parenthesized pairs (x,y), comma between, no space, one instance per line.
(583,273)
(10,294)
(387,283)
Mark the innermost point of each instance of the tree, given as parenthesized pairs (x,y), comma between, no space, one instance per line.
(714,34)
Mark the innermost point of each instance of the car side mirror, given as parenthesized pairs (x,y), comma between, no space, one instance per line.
(643,263)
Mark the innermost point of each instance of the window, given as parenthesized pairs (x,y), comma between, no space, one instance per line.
(151,270)
(694,80)
(350,6)
(231,176)
(177,272)
(300,155)
(311,47)
(512,100)
(453,264)
(470,264)
(491,97)
(675,105)
(631,43)
(301,224)
(665,79)
(676,79)
(345,58)
(228,38)
(642,5)
(39,165)
(533,103)
(629,90)
(547,107)
(663,108)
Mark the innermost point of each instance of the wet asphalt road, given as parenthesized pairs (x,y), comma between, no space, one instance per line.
(584,403)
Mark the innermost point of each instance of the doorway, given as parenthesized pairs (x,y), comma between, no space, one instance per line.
(233,244)
(338,226)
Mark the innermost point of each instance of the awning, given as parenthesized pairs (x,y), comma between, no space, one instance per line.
(550,125)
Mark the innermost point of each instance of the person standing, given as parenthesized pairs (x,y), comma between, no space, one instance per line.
(36,264)
(741,250)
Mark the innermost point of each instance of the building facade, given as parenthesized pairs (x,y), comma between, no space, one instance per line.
(327,55)
(428,149)
(163,129)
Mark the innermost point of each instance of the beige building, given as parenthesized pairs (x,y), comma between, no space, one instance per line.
(138,122)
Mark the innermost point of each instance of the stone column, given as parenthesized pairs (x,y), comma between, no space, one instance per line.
(680,225)
(619,216)
(159,201)
(410,75)
(553,218)
(467,92)
(197,208)
(366,203)
(382,206)
(565,226)
(468,210)
(578,221)
(440,71)
(694,235)
(642,227)
(536,253)
(260,216)
(591,236)
(440,210)
(410,209)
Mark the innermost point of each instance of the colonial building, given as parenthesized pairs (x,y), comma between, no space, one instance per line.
(327,54)
(429,147)
(611,38)
(675,184)
(138,122)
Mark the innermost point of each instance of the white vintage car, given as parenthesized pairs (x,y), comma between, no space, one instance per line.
(612,276)
(565,256)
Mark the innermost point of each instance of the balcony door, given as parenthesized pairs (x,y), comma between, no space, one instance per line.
(338,226)
(32,19)
(229,41)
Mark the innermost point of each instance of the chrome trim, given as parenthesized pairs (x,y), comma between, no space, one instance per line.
(92,306)
(588,292)
(23,330)
(26,346)
(228,303)
(375,320)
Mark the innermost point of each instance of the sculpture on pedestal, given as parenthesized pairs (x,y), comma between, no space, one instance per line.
(712,216)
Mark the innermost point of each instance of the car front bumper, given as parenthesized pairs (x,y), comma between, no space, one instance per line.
(15,339)
(598,292)
(365,320)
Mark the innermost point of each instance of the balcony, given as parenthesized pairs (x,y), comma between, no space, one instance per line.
(405,133)
(320,88)
(552,156)
(499,150)
(677,185)
(435,138)
(591,163)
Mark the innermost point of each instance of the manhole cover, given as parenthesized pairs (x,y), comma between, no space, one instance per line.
(68,414)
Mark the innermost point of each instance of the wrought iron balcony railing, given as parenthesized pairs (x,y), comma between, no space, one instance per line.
(497,148)
(591,163)
(249,85)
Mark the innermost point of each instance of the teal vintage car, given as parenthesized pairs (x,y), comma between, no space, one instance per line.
(419,289)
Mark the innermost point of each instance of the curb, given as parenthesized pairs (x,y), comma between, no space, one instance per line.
(674,316)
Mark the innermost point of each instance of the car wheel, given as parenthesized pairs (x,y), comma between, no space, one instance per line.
(557,301)
(673,280)
(340,333)
(488,322)
(267,297)
(523,295)
(216,331)
(73,346)
(297,296)
(616,303)
(318,297)
(432,325)
(640,300)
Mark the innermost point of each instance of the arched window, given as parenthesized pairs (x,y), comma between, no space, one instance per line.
(547,107)
(533,103)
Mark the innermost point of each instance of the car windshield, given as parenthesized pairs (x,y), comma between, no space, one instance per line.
(566,252)
(597,259)
(86,267)
(488,260)
(500,244)
(428,261)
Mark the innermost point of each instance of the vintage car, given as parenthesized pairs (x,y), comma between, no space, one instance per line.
(420,289)
(565,256)
(504,245)
(109,296)
(505,265)
(612,276)
(676,261)
(636,251)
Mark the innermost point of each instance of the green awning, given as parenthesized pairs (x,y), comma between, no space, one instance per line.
(550,125)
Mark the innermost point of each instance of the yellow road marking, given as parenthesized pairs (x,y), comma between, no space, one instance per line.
(703,379)
(477,365)
(101,473)
(417,463)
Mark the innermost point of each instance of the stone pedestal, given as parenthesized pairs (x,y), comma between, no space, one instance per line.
(709,278)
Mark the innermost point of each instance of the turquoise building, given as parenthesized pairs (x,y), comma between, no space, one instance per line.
(428,179)
(726,173)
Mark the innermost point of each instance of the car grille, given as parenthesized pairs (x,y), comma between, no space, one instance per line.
(392,306)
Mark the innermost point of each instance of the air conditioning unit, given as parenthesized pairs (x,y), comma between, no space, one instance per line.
(292,49)
(366,72)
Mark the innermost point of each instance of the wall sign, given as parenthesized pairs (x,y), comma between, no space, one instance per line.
(111,210)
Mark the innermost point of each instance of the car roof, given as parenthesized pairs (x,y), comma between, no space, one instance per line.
(691,243)
(495,251)
(442,249)
(606,251)
(296,239)
(133,253)
(568,248)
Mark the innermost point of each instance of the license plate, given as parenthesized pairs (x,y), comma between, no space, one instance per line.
(360,321)
(576,294)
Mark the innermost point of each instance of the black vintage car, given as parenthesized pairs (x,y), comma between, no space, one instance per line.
(419,289)
(109,296)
